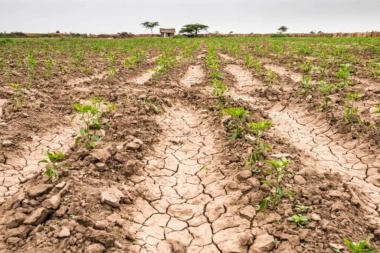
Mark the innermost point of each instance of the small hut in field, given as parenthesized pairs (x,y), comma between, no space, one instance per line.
(167,32)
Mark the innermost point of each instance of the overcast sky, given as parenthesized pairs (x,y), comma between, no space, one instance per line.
(239,16)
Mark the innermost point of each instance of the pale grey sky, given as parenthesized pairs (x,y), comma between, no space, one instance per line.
(239,16)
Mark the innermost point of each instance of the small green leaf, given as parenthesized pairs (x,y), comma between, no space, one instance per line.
(77,139)
(263,204)
(83,131)
(43,161)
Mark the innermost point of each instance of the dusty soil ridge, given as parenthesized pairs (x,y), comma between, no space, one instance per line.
(313,135)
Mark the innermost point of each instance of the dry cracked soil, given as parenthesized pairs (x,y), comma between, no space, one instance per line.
(168,178)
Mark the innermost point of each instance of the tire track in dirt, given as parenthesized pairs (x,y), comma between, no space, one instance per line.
(325,149)
(187,203)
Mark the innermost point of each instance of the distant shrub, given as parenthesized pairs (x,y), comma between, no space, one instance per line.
(5,41)
(277,35)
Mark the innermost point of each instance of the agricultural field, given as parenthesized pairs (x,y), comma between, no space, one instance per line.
(200,145)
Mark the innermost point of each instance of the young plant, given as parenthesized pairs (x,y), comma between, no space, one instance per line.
(31,61)
(219,89)
(52,167)
(277,170)
(302,208)
(351,112)
(48,67)
(18,96)
(238,117)
(91,115)
(111,71)
(306,86)
(327,89)
(359,247)
(271,77)
(150,106)
(325,103)
(377,110)
(299,219)
(343,72)
(258,129)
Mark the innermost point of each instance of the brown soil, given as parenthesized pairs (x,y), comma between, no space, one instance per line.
(167,177)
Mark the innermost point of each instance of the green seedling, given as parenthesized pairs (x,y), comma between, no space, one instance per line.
(91,115)
(219,89)
(88,115)
(359,247)
(150,106)
(261,149)
(137,58)
(111,71)
(299,219)
(277,170)
(248,60)
(258,128)
(239,116)
(302,208)
(271,77)
(52,167)
(31,61)
(18,96)
(325,103)
(344,72)
(305,66)
(48,67)
(327,89)
(377,110)
(235,112)
(351,112)
(306,85)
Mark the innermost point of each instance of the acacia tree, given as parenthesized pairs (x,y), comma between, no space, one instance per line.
(150,25)
(282,29)
(193,29)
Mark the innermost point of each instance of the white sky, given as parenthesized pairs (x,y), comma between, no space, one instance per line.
(239,16)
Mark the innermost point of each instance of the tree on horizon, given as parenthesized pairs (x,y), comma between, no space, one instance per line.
(192,30)
(150,25)
(282,29)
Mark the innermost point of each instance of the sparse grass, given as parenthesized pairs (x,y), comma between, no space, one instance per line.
(359,247)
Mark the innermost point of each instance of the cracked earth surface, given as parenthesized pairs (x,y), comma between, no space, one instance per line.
(145,77)
(357,164)
(23,165)
(190,206)
(324,147)
(193,76)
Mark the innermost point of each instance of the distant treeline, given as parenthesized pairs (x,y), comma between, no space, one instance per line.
(131,35)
